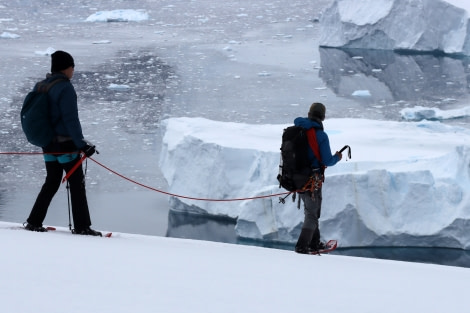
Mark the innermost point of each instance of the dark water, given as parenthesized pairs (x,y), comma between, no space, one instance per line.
(182,225)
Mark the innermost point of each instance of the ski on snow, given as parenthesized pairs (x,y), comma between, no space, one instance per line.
(53,229)
(329,246)
(50,228)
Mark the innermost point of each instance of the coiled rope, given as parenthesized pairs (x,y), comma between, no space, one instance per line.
(152,188)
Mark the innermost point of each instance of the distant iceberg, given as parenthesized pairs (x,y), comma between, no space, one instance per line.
(420,26)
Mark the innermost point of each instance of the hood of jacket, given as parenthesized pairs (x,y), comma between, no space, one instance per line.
(307,123)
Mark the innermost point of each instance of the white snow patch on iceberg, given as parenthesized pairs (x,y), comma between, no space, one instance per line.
(464,4)
(363,12)
(407,183)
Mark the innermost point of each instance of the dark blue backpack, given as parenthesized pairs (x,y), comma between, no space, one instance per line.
(295,168)
(35,119)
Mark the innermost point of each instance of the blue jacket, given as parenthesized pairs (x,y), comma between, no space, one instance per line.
(328,159)
(64,110)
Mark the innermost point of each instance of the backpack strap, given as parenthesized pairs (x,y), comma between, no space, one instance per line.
(44,87)
(313,143)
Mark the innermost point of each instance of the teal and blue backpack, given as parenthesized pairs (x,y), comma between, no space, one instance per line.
(35,119)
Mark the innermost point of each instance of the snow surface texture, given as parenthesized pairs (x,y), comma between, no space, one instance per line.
(421,25)
(58,272)
(407,184)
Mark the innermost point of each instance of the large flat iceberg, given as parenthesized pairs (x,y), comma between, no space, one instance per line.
(419,25)
(407,183)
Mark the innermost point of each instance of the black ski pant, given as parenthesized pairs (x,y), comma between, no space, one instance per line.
(80,212)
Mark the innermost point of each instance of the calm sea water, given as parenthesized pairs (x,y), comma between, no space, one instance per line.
(215,229)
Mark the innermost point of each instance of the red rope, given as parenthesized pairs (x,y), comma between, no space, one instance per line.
(152,188)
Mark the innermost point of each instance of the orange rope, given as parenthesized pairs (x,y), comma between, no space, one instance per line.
(152,188)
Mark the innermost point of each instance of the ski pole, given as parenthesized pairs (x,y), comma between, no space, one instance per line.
(68,203)
(66,177)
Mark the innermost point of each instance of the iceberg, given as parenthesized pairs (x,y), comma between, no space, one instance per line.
(407,183)
(420,25)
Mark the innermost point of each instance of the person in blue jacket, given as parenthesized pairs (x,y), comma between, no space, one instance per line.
(309,238)
(64,151)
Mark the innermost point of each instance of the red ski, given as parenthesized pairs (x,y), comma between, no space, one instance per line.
(329,246)
(50,228)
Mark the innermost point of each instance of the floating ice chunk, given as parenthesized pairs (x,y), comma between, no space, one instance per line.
(101,42)
(419,113)
(118,16)
(46,52)
(7,35)
(119,87)
(361,93)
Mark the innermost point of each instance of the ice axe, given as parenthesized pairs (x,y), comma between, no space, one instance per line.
(349,150)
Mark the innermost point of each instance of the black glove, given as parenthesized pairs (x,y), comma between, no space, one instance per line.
(89,150)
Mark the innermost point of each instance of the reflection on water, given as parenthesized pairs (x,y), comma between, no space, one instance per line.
(393,78)
(200,227)
(192,226)
(442,256)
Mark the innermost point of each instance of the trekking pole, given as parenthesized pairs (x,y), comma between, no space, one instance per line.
(66,177)
(68,203)
(84,156)
(283,199)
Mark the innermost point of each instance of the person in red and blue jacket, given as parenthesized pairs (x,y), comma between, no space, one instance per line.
(320,156)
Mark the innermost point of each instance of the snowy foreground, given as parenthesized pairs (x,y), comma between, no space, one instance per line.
(407,183)
(60,272)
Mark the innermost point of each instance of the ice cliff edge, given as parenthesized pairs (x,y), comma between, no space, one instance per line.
(418,25)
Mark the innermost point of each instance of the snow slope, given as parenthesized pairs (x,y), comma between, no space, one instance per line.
(59,272)
(423,25)
(406,185)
